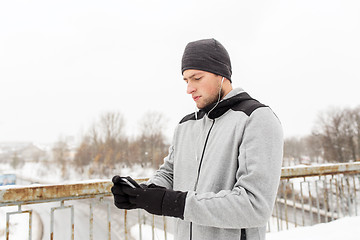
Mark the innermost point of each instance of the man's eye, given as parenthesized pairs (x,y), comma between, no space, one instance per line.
(198,78)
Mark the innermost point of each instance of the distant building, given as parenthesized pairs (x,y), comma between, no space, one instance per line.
(25,151)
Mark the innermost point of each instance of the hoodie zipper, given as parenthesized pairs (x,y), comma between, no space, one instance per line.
(199,168)
(202,156)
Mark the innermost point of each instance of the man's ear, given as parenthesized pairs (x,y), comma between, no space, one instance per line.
(227,80)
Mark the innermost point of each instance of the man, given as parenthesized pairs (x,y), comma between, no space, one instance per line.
(222,172)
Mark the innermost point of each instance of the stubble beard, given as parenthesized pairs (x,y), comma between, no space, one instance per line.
(214,98)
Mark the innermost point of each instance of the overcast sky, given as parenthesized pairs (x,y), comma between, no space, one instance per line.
(64,63)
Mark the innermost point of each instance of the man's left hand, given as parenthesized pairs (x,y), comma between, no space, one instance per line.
(154,199)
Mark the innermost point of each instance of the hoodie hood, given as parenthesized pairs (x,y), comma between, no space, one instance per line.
(232,100)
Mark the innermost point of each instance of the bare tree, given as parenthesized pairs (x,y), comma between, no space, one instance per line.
(104,145)
(329,128)
(111,127)
(293,150)
(313,147)
(61,155)
(349,131)
(338,132)
(84,153)
(335,138)
(355,128)
(152,138)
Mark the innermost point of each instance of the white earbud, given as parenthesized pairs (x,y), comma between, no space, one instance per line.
(222,80)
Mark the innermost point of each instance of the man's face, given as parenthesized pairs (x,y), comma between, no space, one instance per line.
(203,86)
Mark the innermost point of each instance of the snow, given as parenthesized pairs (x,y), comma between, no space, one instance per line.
(146,231)
(50,173)
(346,228)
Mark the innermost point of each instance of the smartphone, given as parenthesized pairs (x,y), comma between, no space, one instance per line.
(132,184)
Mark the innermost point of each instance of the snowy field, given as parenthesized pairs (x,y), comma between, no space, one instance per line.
(51,173)
(147,233)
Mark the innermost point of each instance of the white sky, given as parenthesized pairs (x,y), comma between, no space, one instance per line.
(64,63)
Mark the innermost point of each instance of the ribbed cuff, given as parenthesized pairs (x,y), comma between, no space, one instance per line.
(174,204)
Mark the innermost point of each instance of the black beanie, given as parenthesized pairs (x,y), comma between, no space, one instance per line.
(207,55)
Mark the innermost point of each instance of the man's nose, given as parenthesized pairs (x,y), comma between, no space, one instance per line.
(190,88)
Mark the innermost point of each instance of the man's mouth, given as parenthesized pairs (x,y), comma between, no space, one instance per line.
(196,98)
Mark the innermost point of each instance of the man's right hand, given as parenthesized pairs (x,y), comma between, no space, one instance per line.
(121,200)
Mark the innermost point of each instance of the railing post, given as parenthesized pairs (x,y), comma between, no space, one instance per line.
(326,200)
(153,227)
(302,203)
(125,225)
(165,230)
(19,211)
(72,225)
(317,200)
(355,198)
(91,219)
(109,220)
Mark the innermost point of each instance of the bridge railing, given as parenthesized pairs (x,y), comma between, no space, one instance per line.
(307,195)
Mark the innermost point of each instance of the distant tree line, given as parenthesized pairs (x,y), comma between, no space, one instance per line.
(106,146)
(335,138)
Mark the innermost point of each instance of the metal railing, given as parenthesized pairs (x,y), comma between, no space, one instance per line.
(316,194)
(306,196)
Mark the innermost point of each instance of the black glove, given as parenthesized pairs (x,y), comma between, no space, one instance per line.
(121,200)
(154,199)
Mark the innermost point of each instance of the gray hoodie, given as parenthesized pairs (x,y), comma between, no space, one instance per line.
(229,162)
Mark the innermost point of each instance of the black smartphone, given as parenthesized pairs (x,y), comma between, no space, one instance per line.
(131,182)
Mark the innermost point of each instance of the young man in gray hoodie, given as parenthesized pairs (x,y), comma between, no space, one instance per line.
(222,172)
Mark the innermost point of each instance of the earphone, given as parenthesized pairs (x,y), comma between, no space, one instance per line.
(217,102)
(222,80)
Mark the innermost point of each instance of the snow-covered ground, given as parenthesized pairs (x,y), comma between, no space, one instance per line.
(50,173)
(147,233)
(346,228)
